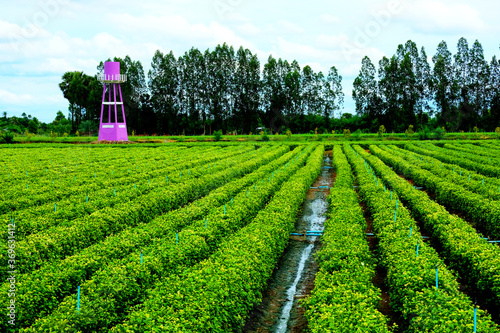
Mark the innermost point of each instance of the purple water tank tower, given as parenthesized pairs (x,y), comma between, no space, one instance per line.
(112,126)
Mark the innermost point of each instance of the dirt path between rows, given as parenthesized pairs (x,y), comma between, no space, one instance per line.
(293,278)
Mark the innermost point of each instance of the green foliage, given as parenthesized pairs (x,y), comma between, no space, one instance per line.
(347,133)
(381,131)
(7,137)
(424,134)
(344,297)
(474,258)
(497,131)
(439,133)
(154,199)
(217,135)
(356,135)
(410,279)
(288,134)
(409,132)
(231,281)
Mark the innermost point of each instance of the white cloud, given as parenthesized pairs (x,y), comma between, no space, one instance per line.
(248,29)
(286,27)
(330,19)
(440,17)
(9,97)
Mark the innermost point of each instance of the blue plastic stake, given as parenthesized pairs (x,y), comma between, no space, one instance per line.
(176,238)
(231,201)
(483,182)
(95,175)
(87,198)
(78,301)
(12,221)
(255,187)
(224,209)
(135,186)
(26,185)
(437,284)
(181,174)
(247,193)
(55,207)
(205,224)
(417,248)
(475,318)
(410,232)
(114,192)
(141,256)
(469,176)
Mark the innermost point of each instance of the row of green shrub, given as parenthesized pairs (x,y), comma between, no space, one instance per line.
(411,277)
(117,288)
(477,261)
(344,298)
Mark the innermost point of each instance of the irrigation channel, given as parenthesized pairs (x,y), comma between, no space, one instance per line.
(293,278)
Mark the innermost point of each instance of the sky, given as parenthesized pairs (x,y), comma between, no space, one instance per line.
(41,40)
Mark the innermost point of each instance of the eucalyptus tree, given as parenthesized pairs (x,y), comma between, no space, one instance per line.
(192,78)
(479,72)
(164,86)
(445,86)
(366,91)
(493,116)
(333,95)
(220,69)
(247,88)
(274,93)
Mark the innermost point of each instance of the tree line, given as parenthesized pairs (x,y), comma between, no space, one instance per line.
(227,89)
(459,91)
(219,89)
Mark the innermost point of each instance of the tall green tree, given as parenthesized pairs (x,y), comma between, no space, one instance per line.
(492,119)
(247,86)
(366,93)
(82,93)
(332,95)
(445,87)
(164,86)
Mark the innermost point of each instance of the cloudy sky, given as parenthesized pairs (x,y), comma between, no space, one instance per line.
(40,40)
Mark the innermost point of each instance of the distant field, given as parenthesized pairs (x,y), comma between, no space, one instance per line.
(355,137)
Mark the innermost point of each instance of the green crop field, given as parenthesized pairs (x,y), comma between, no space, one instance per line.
(184,237)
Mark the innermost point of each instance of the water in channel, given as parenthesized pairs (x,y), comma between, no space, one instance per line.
(293,278)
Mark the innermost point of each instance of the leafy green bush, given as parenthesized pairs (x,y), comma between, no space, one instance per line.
(356,135)
(424,134)
(381,131)
(439,133)
(217,135)
(7,137)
